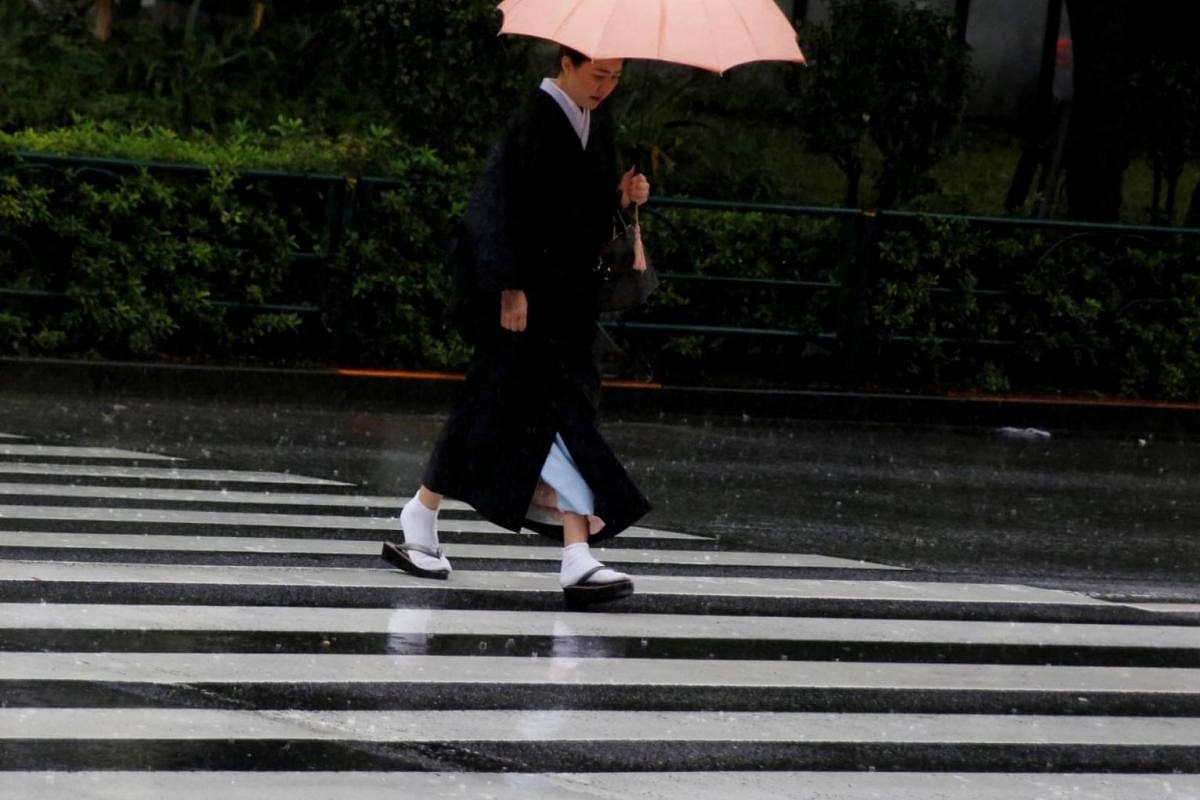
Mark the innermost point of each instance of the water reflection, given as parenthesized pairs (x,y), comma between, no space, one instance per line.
(408,631)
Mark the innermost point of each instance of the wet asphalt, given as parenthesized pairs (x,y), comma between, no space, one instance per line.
(1115,514)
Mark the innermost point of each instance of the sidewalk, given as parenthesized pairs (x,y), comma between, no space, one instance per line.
(437,391)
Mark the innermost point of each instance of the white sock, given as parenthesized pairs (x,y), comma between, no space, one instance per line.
(577,559)
(420,527)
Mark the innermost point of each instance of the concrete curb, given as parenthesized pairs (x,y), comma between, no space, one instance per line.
(425,391)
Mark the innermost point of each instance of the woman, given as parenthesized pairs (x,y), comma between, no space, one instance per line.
(523,448)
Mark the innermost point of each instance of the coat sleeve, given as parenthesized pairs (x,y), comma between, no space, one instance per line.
(488,261)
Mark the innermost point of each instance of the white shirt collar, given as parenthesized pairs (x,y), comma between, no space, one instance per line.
(580,118)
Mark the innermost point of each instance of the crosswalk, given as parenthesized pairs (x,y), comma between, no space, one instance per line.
(173,632)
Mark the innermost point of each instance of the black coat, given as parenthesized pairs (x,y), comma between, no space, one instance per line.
(539,214)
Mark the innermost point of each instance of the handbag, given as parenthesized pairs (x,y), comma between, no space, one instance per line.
(626,276)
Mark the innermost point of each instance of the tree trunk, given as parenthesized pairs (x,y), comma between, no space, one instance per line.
(1033,154)
(852,168)
(962,16)
(1098,150)
(1176,160)
(1192,220)
(102,20)
(1156,180)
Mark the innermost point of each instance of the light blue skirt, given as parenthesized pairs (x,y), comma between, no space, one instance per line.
(560,474)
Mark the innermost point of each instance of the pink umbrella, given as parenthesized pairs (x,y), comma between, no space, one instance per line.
(711,34)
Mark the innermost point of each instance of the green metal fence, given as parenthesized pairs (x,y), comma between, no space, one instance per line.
(825,289)
(986,259)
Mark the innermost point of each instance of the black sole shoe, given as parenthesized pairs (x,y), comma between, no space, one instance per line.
(581,595)
(396,555)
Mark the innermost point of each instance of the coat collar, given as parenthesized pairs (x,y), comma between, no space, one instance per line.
(580,118)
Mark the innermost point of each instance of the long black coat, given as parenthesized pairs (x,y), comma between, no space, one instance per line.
(539,214)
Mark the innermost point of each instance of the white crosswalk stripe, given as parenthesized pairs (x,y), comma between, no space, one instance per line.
(588,727)
(589,786)
(485,581)
(533,552)
(200,496)
(398,670)
(168,632)
(153,516)
(51,451)
(433,622)
(232,476)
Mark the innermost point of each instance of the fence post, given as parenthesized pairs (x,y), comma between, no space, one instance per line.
(859,255)
(332,233)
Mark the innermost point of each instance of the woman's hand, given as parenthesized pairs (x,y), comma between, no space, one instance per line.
(634,188)
(514,310)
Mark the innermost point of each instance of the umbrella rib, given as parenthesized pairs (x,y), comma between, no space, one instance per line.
(600,37)
(662,26)
(612,12)
(746,27)
(563,24)
(716,66)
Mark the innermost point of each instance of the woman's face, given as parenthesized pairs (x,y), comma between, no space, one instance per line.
(589,84)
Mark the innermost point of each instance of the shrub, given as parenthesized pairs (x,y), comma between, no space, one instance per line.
(50,65)
(182,262)
(1101,310)
(143,262)
(393,287)
(692,247)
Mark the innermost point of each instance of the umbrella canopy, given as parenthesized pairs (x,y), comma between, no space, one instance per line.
(711,34)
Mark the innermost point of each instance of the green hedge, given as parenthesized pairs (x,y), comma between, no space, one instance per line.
(947,303)
(392,284)
(157,263)
(194,264)
(1108,310)
(141,262)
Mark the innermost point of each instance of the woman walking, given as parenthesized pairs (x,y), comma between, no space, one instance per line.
(523,448)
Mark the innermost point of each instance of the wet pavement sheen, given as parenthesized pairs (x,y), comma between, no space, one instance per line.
(192,602)
(1113,514)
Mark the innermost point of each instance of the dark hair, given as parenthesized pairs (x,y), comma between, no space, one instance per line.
(577,58)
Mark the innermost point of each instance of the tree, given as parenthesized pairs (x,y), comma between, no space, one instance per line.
(1098,146)
(836,106)
(1128,53)
(448,78)
(896,75)
(1167,98)
(921,96)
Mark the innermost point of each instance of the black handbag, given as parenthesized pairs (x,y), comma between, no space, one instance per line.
(621,286)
